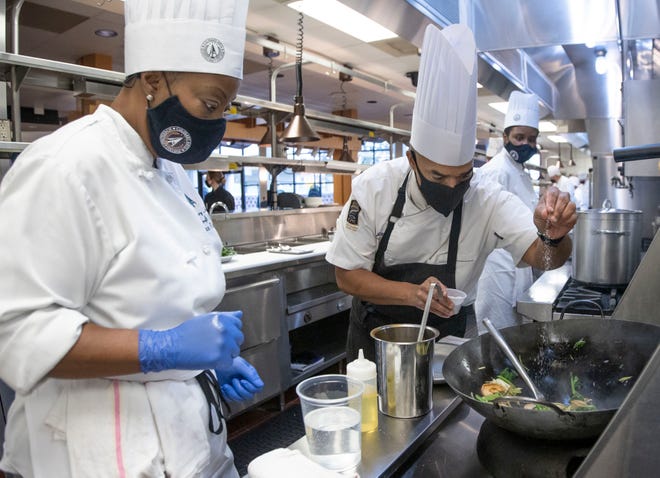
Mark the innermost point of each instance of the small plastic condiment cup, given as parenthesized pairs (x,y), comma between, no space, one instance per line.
(457,297)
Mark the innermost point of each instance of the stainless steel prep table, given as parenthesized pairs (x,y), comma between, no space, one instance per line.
(397,439)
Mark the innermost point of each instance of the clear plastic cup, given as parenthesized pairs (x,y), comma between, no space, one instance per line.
(457,297)
(331,407)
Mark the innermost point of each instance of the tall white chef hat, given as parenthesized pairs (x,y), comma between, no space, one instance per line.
(553,171)
(444,120)
(523,110)
(199,36)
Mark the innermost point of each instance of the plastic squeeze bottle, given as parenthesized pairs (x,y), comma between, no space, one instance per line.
(365,371)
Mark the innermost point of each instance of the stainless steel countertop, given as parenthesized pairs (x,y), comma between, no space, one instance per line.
(397,439)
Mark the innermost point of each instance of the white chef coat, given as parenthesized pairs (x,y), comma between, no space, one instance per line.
(90,231)
(422,233)
(501,282)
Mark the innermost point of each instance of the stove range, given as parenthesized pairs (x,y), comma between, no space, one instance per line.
(556,295)
(508,455)
(580,299)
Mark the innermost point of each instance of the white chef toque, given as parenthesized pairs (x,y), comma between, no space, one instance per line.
(199,36)
(553,171)
(444,123)
(523,110)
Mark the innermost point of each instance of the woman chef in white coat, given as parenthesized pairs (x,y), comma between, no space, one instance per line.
(422,219)
(111,267)
(501,281)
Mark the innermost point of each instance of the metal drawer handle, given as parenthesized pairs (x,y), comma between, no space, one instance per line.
(256,285)
(607,231)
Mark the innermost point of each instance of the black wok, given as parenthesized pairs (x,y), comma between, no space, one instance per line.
(613,349)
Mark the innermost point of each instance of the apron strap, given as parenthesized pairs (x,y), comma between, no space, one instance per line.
(211,389)
(454,233)
(395,214)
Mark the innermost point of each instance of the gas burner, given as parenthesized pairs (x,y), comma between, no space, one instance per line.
(508,455)
(580,298)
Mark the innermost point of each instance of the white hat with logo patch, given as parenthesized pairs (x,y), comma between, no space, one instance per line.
(444,122)
(523,110)
(198,36)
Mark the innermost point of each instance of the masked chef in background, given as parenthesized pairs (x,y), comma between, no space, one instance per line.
(111,267)
(424,218)
(501,281)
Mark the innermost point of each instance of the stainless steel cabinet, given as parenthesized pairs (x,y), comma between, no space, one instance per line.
(261,298)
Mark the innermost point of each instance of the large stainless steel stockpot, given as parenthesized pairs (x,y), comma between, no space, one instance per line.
(606,246)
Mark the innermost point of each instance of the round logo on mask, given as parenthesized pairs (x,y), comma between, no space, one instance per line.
(212,50)
(514,155)
(175,139)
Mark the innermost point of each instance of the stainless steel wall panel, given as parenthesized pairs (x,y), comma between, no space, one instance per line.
(642,123)
(511,24)
(640,19)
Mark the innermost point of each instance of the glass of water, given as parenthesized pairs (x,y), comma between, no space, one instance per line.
(331,408)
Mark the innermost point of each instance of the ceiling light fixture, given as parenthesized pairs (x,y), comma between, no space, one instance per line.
(547,126)
(500,106)
(105,33)
(601,62)
(343,18)
(299,129)
(557,139)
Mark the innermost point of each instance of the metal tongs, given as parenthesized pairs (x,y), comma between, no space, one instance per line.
(499,340)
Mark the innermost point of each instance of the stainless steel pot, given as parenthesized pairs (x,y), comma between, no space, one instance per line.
(606,246)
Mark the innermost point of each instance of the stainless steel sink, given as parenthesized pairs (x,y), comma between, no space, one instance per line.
(289,241)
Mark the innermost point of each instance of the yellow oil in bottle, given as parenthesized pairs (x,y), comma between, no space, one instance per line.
(369,409)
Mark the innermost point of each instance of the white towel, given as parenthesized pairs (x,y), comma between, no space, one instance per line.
(282,462)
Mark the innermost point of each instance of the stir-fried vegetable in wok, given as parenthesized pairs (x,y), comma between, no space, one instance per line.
(503,386)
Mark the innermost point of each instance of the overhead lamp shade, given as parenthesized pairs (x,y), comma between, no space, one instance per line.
(299,129)
(345,154)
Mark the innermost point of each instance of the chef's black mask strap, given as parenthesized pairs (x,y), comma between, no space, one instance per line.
(211,389)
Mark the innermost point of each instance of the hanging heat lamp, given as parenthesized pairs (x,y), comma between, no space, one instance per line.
(299,129)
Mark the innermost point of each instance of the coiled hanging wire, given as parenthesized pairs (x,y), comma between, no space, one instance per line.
(299,53)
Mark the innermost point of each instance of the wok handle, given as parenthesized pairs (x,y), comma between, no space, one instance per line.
(545,403)
(504,347)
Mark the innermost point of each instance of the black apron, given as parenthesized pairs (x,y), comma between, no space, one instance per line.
(365,316)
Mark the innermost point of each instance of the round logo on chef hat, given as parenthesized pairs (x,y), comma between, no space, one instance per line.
(516,117)
(212,50)
(175,139)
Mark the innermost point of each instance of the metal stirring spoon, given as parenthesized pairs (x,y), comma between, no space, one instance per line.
(499,340)
(425,315)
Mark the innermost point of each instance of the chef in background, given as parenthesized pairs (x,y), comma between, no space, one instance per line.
(112,269)
(216,181)
(501,282)
(423,218)
(560,181)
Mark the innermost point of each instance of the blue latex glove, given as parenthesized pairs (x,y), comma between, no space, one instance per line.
(206,341)
(240,381)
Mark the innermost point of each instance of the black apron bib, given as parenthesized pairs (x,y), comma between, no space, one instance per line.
(365,316)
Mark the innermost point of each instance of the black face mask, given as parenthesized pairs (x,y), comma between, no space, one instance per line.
(443,199)
(520,153)
(178,136)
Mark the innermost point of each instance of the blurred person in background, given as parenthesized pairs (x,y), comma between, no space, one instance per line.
(216,181)
(501,282)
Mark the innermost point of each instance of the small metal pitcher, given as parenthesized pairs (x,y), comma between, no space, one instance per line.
(404,369)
